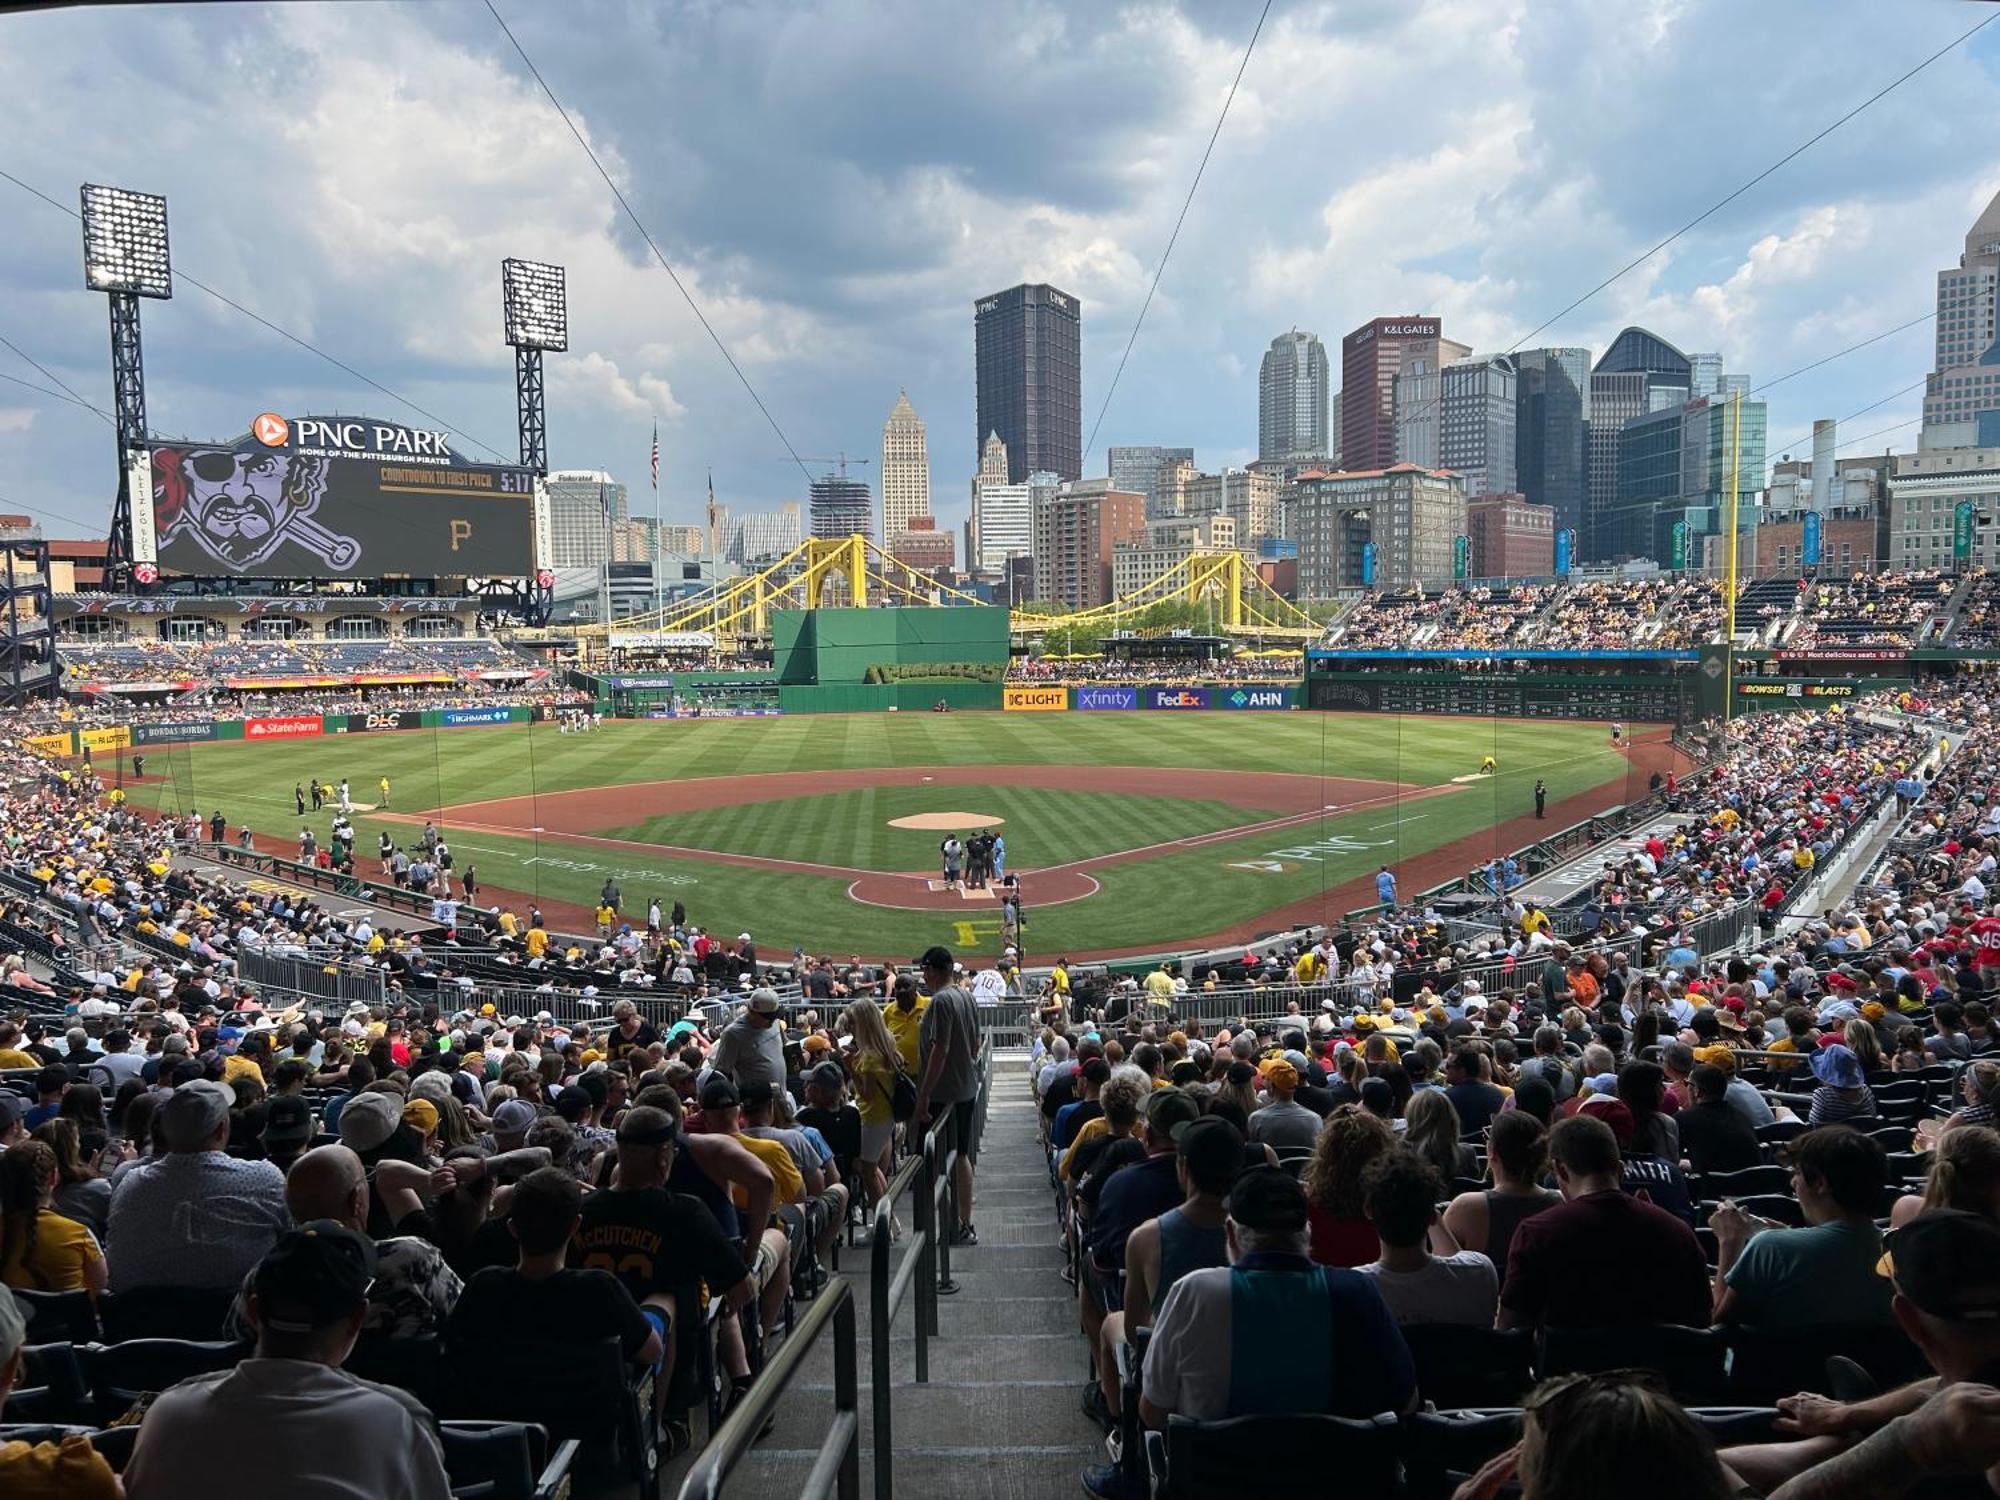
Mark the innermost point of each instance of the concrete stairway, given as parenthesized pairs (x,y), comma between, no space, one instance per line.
(999,1418)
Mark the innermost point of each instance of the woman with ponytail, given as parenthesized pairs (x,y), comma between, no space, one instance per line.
(1965,1174)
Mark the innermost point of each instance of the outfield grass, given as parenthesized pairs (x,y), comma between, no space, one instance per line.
(1155,901)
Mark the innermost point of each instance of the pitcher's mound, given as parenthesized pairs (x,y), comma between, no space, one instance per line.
(948,822)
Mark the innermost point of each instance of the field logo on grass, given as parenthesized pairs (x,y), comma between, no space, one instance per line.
(451,716)
(1097,699)
(1035,700)
(616,872)
(1193,697)
(1321,849)
(294,727)
(1255,698)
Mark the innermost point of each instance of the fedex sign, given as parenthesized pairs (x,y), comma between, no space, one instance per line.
(1188,697)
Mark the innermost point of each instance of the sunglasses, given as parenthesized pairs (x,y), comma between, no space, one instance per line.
(1556,1396)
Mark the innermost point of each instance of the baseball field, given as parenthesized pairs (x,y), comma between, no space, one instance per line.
(1130,833)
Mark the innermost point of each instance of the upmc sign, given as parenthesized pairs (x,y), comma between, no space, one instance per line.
(296,728)
(1177,697)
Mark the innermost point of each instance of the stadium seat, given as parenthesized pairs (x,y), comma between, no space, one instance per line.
(1728,1426)
(1892,1138)
(1442,1449)
(166,1312)
(583,1392)
(119,1374)
(52,1387)
(1471,1367)
(50,1315)
(1196,1460)
(504,1461)
(1691,1360)
(1766,1364)
(1910,1168)
(1778,1132)
(1718,1185)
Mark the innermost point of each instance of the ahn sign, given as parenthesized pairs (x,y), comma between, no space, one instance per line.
(1263,697)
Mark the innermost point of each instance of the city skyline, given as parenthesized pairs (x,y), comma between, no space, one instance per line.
(1489,215)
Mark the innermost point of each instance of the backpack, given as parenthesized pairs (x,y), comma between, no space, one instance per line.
(903,1097)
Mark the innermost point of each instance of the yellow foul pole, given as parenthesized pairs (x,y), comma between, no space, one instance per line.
(1729,578)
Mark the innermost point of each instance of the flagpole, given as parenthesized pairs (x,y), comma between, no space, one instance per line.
(659,533)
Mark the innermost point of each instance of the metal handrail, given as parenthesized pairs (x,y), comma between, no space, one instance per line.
(889,1291)
(837,1469)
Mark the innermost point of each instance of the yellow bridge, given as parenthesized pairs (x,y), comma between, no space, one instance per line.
(852,571)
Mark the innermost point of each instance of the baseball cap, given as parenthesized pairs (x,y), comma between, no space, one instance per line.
(1282,1076)
(194,1112)
(1268,1198)
(288,1118)
(1947,1261)
(756,1095)
(764,1001)
(422,1114)
(719,1093)
(937,957)
(367,1120)
(647,1126)
(512,1118)
(827,1075)
(434,1086)
(1170,1111)
(1209,1145)
(12,1107)
(313,1276)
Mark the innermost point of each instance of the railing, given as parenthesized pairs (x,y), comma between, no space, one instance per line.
(837,1469)
(917,1268)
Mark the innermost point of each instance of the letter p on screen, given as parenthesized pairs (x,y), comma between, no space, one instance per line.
(461,531)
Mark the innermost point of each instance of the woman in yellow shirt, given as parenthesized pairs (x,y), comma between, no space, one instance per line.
(40,1250)
(873,1064)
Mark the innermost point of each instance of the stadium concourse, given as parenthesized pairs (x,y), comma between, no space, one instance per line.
(1660,1148)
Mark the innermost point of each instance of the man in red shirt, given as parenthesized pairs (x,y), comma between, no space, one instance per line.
(1572,1266)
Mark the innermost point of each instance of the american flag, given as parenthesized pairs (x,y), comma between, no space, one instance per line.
(656,455)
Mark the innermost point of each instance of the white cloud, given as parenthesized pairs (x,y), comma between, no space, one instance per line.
(16,418)
(593,378)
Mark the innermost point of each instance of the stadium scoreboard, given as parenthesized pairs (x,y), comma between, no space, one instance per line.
(317,497)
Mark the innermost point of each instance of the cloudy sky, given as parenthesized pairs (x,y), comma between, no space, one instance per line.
(836,181)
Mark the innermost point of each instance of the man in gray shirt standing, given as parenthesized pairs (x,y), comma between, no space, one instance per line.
(948,1039)
(750,1049)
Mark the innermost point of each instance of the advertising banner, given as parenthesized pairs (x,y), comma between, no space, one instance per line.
(453,717)
(1368,564)
(1185,697)
(291,727)
(117,737)
(49,744)
(1348,695)
(181,732)
(1248,697)
(1961,531)
(1810,538)
(1565,549)
(316,497)
(1035,700)
(378,723)
(1677,547)
(1461,556)
(661,640)
(1096,699)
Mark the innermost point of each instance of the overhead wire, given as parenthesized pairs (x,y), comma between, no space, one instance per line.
(68,391)
(652,245)
(1172,239)
(282,332)
(56,395)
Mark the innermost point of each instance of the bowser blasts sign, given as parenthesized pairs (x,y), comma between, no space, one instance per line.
(308,497)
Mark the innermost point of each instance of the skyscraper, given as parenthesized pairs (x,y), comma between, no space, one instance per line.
(906,470)
(1963,390)
(1477,416)
(1371,358)
(1292,386)
(586,513)
(840,507)
(1147,471)
(1001,525)
(1641,372)
(1028,364)
(1552,390)
(1673,479)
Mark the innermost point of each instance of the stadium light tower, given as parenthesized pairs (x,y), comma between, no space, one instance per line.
(536,301)
(125,256)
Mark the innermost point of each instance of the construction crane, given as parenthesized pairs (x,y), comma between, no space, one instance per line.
(841,462)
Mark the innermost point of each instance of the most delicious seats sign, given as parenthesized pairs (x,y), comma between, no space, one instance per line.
(312,497)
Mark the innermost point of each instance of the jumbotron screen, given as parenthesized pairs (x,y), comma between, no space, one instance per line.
(316,497)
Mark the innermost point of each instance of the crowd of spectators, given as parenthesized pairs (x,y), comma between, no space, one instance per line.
(1243,666)
(1871,609)
(207,662)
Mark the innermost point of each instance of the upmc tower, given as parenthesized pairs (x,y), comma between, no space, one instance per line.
(1371,358)
(1027,357)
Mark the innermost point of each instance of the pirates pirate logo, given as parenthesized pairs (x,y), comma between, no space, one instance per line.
(239,505)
